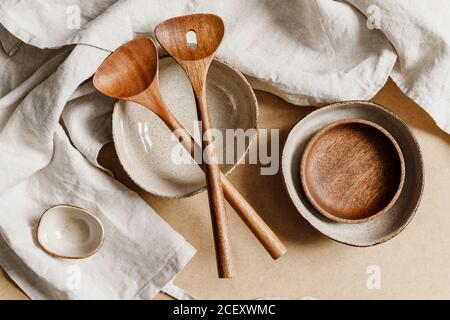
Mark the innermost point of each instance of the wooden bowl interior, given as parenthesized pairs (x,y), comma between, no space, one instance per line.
(352,171)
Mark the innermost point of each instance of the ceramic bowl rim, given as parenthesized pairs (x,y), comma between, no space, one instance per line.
(413,211)
(90,213)
(307,153)
(255,109)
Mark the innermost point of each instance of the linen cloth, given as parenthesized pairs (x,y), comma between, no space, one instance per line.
(53,123)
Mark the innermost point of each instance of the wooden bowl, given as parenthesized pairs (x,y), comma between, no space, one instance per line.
(386,226)
(352,171)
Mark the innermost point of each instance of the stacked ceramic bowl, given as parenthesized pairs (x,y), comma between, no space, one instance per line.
(146,148)
(354,172)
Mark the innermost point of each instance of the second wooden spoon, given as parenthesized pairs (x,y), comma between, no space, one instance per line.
(192,41)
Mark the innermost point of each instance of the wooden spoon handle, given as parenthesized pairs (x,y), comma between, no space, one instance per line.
(221,230)
(246,212)
(252,219)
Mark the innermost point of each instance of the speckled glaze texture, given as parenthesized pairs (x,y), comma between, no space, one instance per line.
(383,227)
(145,145)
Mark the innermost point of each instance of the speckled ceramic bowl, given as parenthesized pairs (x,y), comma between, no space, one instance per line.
(383,227)
(70,232)
(148,151)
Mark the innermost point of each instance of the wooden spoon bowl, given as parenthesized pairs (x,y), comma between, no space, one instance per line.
(129,70)
(191,37)
(352,171)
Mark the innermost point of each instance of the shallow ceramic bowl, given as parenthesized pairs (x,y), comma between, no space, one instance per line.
(70,232)
(397,217)
(147,149)
(352,171)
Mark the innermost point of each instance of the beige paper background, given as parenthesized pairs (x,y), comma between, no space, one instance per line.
(415,264)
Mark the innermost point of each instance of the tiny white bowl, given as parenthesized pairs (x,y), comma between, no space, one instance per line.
(70,232)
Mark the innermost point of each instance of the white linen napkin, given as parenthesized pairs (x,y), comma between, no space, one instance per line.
(40,168)
(306,51)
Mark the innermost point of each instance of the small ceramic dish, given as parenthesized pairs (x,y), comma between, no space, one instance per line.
(352,171)
(397,217)
(70,232)
(146,148)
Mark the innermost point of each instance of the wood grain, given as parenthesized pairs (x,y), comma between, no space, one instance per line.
(352,171)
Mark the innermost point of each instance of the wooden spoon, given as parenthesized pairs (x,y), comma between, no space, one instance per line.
(131,73)
(195,56)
